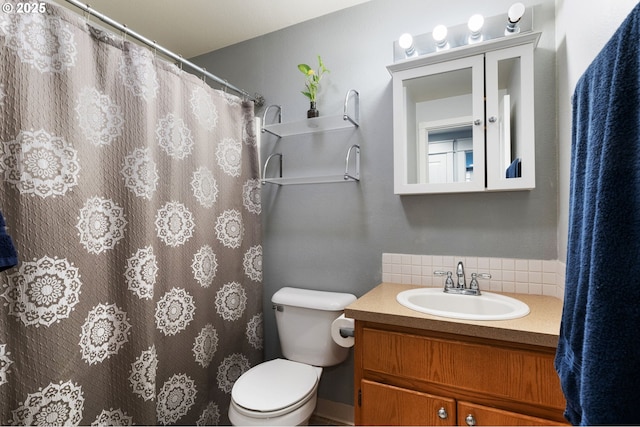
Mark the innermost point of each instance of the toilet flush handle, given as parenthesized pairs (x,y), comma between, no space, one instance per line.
(277,307)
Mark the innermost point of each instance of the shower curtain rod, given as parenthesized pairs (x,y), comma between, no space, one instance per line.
(258,99)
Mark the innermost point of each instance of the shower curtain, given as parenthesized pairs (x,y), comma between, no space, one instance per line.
(130,189)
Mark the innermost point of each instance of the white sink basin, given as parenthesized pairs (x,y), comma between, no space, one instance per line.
(487,306)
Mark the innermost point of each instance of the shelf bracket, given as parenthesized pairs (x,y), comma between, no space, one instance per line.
(347,174)
(356,112)
(266,164)
(266,111)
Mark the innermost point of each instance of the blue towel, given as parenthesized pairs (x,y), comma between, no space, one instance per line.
(514,171)
(598,356)
(8,254)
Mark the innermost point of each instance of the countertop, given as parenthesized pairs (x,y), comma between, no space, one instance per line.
(540,327)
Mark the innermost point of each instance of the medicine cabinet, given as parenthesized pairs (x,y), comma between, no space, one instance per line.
(463,119)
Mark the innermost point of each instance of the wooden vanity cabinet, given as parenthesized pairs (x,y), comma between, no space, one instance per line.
(406,376)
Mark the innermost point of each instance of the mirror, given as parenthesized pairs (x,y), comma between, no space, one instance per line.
(441,143)
(441,126)
(508,116)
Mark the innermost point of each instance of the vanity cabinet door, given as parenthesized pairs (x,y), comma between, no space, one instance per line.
(471,414)
(511,154)
(439,127)
(384,404)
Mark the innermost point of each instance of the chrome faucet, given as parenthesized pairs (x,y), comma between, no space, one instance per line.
(462,281)
(461,286)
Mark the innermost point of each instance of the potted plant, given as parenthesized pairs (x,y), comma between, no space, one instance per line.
(312,83)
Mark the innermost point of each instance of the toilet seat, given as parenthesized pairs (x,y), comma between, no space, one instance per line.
(274,388)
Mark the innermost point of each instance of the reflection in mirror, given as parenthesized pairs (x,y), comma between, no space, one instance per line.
(440,148)
(445,151)
(509,86)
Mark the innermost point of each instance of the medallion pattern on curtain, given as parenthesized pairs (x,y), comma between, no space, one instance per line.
(131,191)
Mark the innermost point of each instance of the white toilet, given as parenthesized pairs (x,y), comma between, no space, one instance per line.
(284,391)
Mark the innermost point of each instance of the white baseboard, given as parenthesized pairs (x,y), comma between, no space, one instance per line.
(335,411)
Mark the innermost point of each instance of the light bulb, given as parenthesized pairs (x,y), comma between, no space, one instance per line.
(515,12)
(475,23)
(475,27)
(439,34)
(406,42)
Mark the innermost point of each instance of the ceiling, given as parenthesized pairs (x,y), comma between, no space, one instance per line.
(193,27)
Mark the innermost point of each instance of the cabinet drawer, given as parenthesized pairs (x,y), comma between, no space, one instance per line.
(502,372)
(388,405)
(485,416)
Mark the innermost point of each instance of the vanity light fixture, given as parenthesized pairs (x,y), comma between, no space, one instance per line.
(440,37)
(475,28)
(406,42)
(514,15)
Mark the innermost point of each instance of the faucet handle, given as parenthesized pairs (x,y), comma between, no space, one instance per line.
(448,282)
(474,280)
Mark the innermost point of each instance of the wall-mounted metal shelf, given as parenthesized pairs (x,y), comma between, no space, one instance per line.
(316,124)
(349,119)
(348,176)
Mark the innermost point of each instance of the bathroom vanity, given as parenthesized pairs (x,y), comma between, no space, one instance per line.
(416,369)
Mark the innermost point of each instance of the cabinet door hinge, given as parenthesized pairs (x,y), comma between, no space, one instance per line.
(359,397)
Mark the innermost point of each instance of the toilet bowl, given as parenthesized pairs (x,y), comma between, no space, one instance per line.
(277,392)
(284,391)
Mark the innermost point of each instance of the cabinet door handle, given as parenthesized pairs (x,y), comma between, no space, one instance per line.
(442,413)
(470,420)
(493,119)
(477,122)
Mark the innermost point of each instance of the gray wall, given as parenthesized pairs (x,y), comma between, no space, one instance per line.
(331,236)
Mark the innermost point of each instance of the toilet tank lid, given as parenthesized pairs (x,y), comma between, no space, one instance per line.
(317,300)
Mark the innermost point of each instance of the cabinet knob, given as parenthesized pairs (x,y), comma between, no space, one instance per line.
(493,119)
(477,122)
(442,414)
(470,420)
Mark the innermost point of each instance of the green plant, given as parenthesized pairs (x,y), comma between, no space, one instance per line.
(313,78)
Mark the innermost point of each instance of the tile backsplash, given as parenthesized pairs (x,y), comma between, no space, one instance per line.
(523,276)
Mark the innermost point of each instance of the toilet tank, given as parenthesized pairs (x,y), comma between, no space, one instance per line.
(303,319)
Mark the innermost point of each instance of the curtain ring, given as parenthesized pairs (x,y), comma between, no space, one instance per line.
(226,86)
(124,33)
(204,76)
(87,14)
(155,50)
(180,62)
